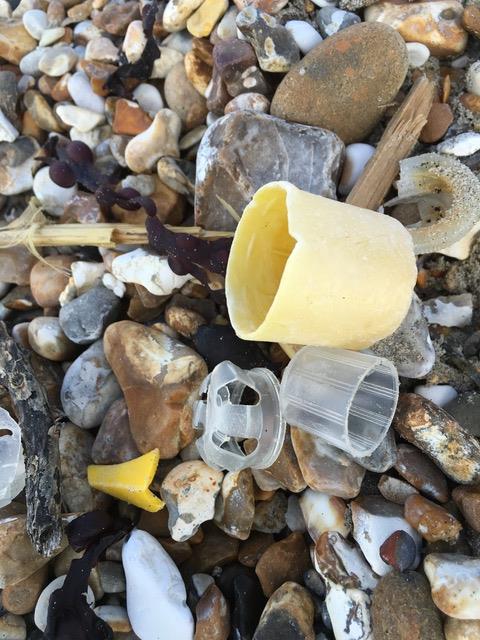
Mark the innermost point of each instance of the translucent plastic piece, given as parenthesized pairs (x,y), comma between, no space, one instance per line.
(12,467)
(235,405)
(346,398)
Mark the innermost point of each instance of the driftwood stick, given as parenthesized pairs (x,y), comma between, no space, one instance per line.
(397,142)
(40,442)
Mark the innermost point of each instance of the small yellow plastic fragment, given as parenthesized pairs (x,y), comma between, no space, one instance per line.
(129,481)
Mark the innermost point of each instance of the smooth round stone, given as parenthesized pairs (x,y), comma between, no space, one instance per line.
(50,36)
(330,20)
(41,610)
(473,78)
(418,54)
(82,94)
(35,22)
(12,627)
(356,157)
(304,35)
(148,98)
(440,394)
(48,340)
(29,63)
(85,31)
(248,102)
(330,87)
(52,197)
(465,144)
(56,61)
(82,119)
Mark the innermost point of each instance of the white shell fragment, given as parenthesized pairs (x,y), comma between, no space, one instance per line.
(148,269)
(156,596)
(460,146)
(449,311)
(12,467)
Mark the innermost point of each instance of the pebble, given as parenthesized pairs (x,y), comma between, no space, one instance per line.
(189,492)
(15,41)
(212,616)
(289,608)
(421,472)
(17,163)
(159,377)
(235,506)
(436,433)
(356,157)
(177,13)
(86,275)
(101,49)
(35,22)
(394,489)
(283,561)
(161,138)
(438,26)
(49,36)
(468,500)
(418,54)
(384,456)
(465,144)
(129,118)
(326,468)
(134,42)
(248,102)
(148,98)
(471,19)
(156,596)
(473,78)
(12,627)
(253,548)
(89,388)
(263,149)
(115,18)
(201,23)
(8,133)
(112,576)
(48,278)
(148,269)
(114,443)
(374,520)
(304,35)
(275,47)
(402,608)
(399,551)
(116,617)
(56,61)
(46,338)
(21,598)
(52,197)
(184,99)
(450,311)
(82,119)
(85,318)
(236,64)
(227,27)
(465,410)
(331,20)
(455,583)
(199,73)
(270,514)
(311,93)
(347,613)
(82,94)
(433,522)
(169,58)
(41,609)
(323,513)
(215,550)
(461,629)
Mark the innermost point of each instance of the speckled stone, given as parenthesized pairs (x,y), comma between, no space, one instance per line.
(283,561)
(235,508)
(288,615)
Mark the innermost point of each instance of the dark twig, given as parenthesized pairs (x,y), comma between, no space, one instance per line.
(40,442)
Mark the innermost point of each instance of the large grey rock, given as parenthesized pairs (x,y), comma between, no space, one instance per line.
(242,151)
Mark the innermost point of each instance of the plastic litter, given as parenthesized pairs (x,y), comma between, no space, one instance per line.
(12,466)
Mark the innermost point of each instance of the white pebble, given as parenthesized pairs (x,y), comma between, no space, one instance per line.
(473,78)
(322,512)
(462,145)
(91,138)
(82,119)
(169,57)
(455,583)
(35,22)
(115,285)
(86,274)
(148,98)
(52,197)
(5,10)
(8,133)
(418,54)
(56,61)
(144,183)
(29,63)
(227,27)
(440,394)
(41,608)
(134,42)
(83,95)
(356,157)
(156,595)
(25,83)
(49,36)
(212,117)
(304,35)
(148,269)
(449,311)
(85,31)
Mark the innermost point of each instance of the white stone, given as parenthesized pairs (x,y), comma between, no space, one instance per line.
(418,54)
(49,36)
(180,41)
(29,63)
(56,61)
(461,249)
(149,98)
(322,512)
(115,616)
(35,22)
(455,583)
(83,95)
(304,35)
(8,133)
(85,31)
(101,49)
(212,117)
(449,311)
(440,394)
(227,27)
(374,520)
(160,139)
(169,57)
(5,10)
(349,612)
(52,197)
(86,274)
(193,137)
(23,6)
(25,83)
(189,491)
(473,78)
(148,269)
(135,41)
(356,157)
(177,13)
(41,608)
(115,285)
(156,595)
(142,182)
(82,119)
(462,145)
(91,138)
(460,62)
(12,466)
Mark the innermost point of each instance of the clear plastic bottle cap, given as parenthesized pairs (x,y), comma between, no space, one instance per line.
(12,466)
(235,405)
(346,398)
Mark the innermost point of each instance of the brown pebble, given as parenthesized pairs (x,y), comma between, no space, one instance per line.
(430,520)
(288,613)
(185,321)
(180,552)
(471,19)
(22,597)
(421,472)
(253,548)
(284,561)
(399,550)
(468,500)
(47,281)
(216,549)
(235,506)
(438,121)
(394,489)
(213,616)
(129,118)
(471,102)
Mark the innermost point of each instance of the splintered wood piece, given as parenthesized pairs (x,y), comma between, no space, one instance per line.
(40,443)
(397,142)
